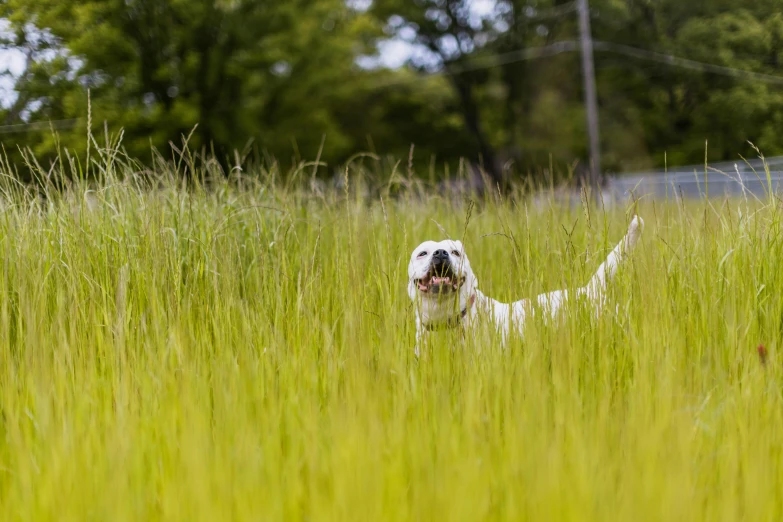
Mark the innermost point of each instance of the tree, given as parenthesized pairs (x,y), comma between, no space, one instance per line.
(452,32)
(655,108)
(499,85)
(238,69)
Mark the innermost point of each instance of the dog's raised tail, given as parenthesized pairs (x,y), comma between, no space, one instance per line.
(605,273)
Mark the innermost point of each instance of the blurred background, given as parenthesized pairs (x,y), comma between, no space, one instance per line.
(499,83)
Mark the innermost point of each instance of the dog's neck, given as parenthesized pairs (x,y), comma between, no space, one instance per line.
(454,321)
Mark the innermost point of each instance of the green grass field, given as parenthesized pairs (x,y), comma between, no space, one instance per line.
(243,350)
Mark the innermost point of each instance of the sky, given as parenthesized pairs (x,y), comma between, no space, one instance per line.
(392,53)
(395,52)
(12,62)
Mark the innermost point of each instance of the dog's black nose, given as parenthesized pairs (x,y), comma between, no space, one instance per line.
(439,256)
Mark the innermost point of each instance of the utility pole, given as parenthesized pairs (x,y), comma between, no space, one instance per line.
(591,102)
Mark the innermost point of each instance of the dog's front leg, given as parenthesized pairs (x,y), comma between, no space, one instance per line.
(419,336)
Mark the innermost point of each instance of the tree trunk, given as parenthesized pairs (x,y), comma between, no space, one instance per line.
(470,112)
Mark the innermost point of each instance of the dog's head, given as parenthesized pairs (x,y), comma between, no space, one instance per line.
(440,272)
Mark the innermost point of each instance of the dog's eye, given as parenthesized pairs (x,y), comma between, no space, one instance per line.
(422,253)
(455,253)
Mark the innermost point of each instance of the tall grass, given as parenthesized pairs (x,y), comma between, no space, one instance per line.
(243,349)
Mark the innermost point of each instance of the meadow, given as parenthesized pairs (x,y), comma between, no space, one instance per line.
(241,348)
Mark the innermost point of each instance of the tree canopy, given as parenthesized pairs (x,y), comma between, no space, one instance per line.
(497,82)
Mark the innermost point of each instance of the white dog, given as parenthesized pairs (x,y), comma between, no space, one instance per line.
(446,295)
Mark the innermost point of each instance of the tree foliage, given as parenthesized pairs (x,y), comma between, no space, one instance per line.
(496,82)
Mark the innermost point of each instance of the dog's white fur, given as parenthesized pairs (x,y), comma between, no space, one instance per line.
(459,302)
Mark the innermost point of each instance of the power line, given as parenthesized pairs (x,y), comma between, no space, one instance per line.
(488,62)
(521,55)
(565,46)
(38,125)
(531,13)
(677,61)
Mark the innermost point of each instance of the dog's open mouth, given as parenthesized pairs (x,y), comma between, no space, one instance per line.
(439,283)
